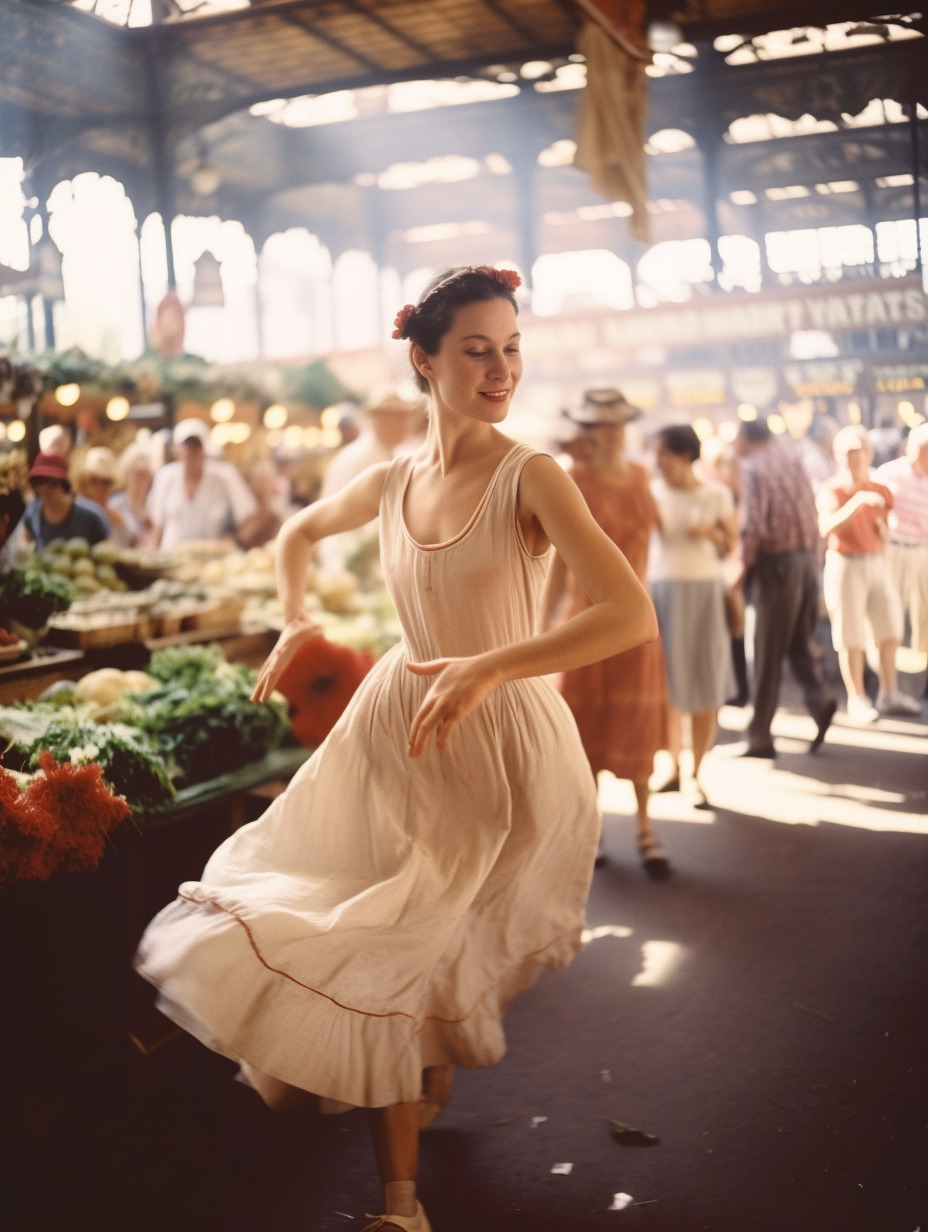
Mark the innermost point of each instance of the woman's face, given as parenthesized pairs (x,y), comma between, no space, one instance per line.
(478,365)
(97,488)
(674,467)
(607,441)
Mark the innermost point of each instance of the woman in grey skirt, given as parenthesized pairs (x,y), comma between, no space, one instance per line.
(697,529)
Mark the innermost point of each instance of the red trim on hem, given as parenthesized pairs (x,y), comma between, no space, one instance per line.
(201,902)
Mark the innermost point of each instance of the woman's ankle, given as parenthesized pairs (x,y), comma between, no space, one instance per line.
(400,1197)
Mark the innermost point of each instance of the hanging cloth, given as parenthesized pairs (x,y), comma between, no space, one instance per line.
(611,127)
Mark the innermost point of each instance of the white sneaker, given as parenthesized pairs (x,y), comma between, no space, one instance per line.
(899,704)
(859,710)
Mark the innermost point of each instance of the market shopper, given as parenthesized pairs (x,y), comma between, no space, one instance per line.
(136,471)
(56,511)
(97,478)
(197,497)
(907,550)
(389,421)
(779,552)
(859,591)
(13,471)
(619,702)
(695,533)
(366,934)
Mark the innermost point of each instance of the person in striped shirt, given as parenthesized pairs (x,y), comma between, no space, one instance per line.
(907,550)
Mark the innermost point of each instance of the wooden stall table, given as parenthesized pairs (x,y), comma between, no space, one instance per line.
(69,989)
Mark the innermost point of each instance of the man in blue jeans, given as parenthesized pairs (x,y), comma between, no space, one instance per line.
(779,543)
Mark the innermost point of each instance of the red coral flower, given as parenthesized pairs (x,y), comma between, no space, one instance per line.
(505,277)
(318,683)
(26,834)
(402,320)
(84,806)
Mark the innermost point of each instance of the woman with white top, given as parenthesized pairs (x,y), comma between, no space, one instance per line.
(697,529)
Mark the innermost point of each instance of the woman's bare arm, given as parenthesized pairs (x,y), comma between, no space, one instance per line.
(357,503)
(620,616)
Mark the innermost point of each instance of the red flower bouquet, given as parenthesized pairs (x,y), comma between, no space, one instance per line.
(61,820)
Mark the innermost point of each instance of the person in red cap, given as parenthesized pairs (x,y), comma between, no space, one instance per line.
(56,512)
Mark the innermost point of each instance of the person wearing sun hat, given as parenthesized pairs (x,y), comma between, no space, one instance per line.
(389,421)
(13,470)
(196,496)
(56,512)
(620,704)
(607,406)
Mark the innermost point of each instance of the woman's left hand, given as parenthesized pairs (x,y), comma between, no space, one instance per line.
(460,686)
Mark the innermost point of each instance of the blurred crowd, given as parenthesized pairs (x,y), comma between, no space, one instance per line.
(752,544)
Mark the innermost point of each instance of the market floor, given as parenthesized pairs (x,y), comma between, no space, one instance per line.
(762,1012)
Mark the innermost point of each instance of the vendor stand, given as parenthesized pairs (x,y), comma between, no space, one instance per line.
(71,984)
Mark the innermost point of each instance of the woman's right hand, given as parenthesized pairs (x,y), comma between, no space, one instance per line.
(294,634)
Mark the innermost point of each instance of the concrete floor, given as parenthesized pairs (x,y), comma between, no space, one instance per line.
(763,1012)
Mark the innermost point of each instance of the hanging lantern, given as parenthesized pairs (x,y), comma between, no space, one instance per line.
(207,282)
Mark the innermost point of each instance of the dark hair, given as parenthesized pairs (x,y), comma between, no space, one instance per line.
(433,315)
(12,503)
(680,439)
(754,431)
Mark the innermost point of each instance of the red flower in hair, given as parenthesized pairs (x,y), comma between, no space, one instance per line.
(505,277)
(318,683)
(402,320)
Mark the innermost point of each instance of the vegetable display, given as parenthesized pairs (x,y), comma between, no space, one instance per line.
(30,596)
(189,719)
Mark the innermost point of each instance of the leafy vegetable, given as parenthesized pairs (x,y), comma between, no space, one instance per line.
(130,760)
(31,594)
(212,727)
(186,666)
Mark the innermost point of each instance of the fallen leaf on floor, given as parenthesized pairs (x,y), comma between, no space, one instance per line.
(807,1009)
(562,1169)
(619,1202)
(536,1121)
(630,1135)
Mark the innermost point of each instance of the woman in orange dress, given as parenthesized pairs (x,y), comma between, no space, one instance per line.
(620,703)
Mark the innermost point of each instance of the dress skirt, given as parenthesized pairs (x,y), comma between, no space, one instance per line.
(697,644)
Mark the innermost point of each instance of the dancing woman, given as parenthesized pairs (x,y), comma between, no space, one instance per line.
(365,934)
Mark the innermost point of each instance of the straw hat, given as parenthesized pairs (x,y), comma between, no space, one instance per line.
(604,406)
(100,463)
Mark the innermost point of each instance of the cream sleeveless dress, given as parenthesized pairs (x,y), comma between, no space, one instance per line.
(385,909)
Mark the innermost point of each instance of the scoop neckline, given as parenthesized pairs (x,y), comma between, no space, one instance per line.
(471,521)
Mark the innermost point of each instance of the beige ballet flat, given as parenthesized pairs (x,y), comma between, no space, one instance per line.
(400,1223)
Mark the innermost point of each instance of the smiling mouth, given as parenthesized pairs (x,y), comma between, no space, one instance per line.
(495,395)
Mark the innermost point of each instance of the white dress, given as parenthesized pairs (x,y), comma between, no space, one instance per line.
(385,909)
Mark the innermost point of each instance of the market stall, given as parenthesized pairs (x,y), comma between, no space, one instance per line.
(127,683)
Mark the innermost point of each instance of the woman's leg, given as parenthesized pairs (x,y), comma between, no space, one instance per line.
(653,857)
(889,683)
(851,663)
(704,727)
(674,745)
(436,1085)
(395,1138)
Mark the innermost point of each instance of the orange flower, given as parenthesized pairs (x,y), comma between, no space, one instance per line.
(26,834)
(85,808)
(318,683)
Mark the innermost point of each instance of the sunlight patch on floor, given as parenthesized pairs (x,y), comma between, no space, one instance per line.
(660,960)
(893,735)
(799,799)
(617,796)
(604,930)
